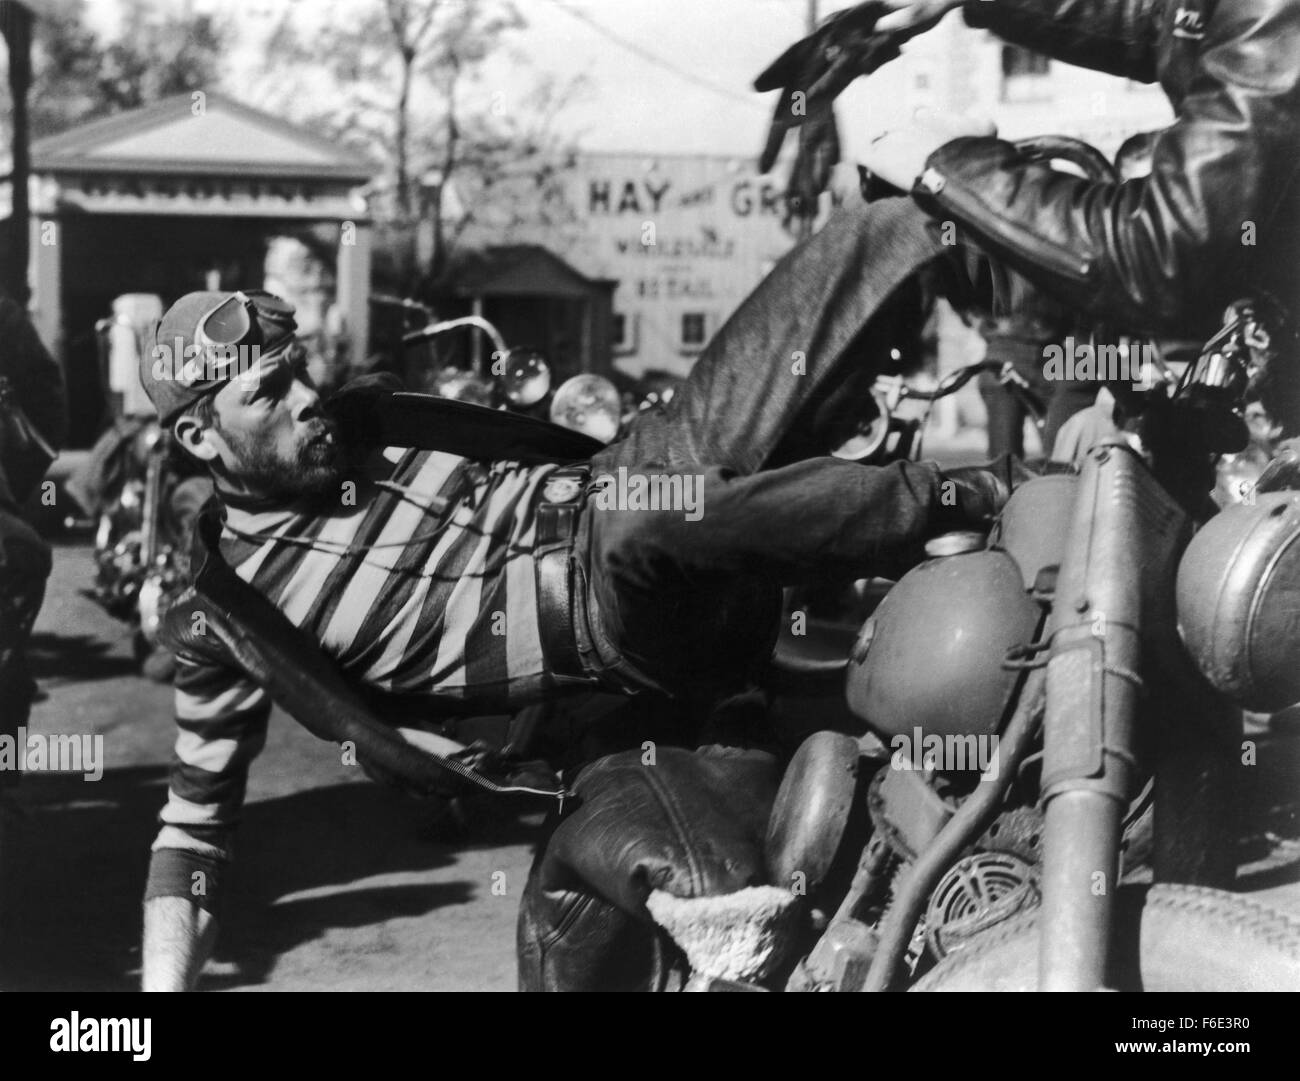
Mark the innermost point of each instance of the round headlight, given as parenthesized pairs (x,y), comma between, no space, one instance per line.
(526,379)
(588,404)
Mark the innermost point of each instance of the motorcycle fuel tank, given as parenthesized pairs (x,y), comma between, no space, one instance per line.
(1034,524)
(930,658)
(1239,601)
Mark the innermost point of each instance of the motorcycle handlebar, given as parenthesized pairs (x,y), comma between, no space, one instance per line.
(434,329)
(893,390)
(384,300)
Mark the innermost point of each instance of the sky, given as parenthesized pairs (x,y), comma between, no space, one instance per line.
(663,76)
(634,104)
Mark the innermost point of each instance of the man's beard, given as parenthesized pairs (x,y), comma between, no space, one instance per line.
(316,467)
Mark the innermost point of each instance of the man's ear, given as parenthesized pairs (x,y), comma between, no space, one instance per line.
(193,438)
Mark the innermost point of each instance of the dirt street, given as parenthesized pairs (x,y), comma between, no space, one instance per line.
(340,884)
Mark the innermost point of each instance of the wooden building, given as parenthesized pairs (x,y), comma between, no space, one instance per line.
(183,194)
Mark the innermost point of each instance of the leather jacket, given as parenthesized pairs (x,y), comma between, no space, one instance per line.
(1219,216)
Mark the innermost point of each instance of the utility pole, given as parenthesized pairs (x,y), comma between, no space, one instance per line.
(16,25)
(804,223)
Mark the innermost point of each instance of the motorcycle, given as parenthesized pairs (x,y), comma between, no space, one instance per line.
(140,494)
(1047,722)
(141,532)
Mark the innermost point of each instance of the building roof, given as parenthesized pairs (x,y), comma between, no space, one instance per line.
(175,136)
(517,270)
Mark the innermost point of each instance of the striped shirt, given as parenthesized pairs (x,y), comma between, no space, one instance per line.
(419,579)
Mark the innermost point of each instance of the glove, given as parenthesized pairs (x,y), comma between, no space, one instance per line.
(819,153)
(981,493)
(818,67)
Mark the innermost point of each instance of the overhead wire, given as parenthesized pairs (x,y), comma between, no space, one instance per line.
(653,58)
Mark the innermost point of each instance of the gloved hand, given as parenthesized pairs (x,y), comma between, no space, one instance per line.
(812,72)
(819,153)
(978,494)
(810,75)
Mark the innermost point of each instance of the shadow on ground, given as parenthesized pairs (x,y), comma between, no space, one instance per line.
(1269,856)
(78,859)
(76,658)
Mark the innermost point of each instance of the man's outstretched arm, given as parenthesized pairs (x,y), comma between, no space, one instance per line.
(1114,36)
(1158,253)
(222,717)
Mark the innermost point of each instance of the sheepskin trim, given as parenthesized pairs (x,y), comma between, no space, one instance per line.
(735,936)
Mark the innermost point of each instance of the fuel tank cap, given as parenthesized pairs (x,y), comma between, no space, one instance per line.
(954,543)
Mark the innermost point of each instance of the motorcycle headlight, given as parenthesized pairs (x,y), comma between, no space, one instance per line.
(588,404)
(1239,601)
(526,379)
(462,386)
(869,433)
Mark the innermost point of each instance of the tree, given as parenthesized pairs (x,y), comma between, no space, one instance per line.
(504,161)
(157,54)
(79,76)
(407,90)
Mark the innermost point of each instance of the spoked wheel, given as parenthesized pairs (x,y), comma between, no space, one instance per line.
(1169,938)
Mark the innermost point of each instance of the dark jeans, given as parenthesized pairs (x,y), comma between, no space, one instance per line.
(682,602)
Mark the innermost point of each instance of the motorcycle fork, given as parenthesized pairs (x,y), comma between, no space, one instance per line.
(151,512)
(1116,576)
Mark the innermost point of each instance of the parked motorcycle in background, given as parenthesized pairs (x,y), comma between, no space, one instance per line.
(141,493)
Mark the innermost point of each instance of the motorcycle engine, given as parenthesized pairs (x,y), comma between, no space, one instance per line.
(975,893)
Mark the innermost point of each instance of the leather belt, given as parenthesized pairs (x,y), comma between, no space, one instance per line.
(563,495)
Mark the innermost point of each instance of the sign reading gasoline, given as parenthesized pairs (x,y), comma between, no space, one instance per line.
(110,193)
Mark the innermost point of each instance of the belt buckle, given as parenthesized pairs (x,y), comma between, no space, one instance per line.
(561,489)
(563,494)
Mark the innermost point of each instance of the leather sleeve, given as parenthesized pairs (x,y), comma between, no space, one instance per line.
(1114,36)
(1165,252)
(691,824)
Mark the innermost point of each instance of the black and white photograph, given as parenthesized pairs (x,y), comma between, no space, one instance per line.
(650,495)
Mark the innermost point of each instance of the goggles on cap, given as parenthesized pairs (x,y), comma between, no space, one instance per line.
(235,324)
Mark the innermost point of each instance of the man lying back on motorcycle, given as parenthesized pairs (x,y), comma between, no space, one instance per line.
(405,585)
(421,571)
